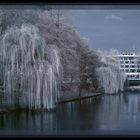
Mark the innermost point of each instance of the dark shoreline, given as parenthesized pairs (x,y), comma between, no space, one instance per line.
(83,96)
(63,99)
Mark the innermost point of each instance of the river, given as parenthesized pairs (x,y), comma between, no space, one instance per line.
(104,114)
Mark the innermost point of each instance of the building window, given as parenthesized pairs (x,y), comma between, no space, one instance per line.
(131,58)
(125,58)
(131,76)
(137,76)
(131,70)
(126,66)
(126,62)
(132,62)
(132,66)
(127,70)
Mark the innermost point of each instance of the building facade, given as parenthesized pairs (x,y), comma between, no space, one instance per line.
(129,63)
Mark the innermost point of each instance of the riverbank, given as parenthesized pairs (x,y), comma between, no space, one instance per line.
(3,111)
(68,97)
(6,109)
(62,98)
(105,114)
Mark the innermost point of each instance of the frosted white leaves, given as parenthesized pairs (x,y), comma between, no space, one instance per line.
(27,70)
(110,78)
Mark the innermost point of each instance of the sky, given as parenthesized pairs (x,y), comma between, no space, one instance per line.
(104,26)
(110,28)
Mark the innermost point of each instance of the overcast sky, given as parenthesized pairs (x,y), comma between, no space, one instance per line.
(105,26)
(109,28)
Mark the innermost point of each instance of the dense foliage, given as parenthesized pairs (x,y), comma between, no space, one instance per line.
(77,61)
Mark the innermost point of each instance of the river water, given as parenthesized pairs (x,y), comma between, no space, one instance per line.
(104,114)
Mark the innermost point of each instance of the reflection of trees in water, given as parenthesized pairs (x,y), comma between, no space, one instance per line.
(12,121)
(83,113)
(130,116)
(117,109)
(28,121)
(125,97)
(78,115)
(64,115)
(2,121)
(106,112)
(109,111)
(133,103)
(87,111)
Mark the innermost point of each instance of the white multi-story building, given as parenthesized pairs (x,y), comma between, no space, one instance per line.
(130,64)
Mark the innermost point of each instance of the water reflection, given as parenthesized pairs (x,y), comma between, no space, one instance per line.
(102,113)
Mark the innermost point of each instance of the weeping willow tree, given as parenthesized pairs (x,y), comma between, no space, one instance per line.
(89,61)
(29,65)
(110,78)
(30,68)
(39,53)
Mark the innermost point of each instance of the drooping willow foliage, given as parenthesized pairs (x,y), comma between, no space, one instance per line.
(38,55)
(110,78)
(30,68)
